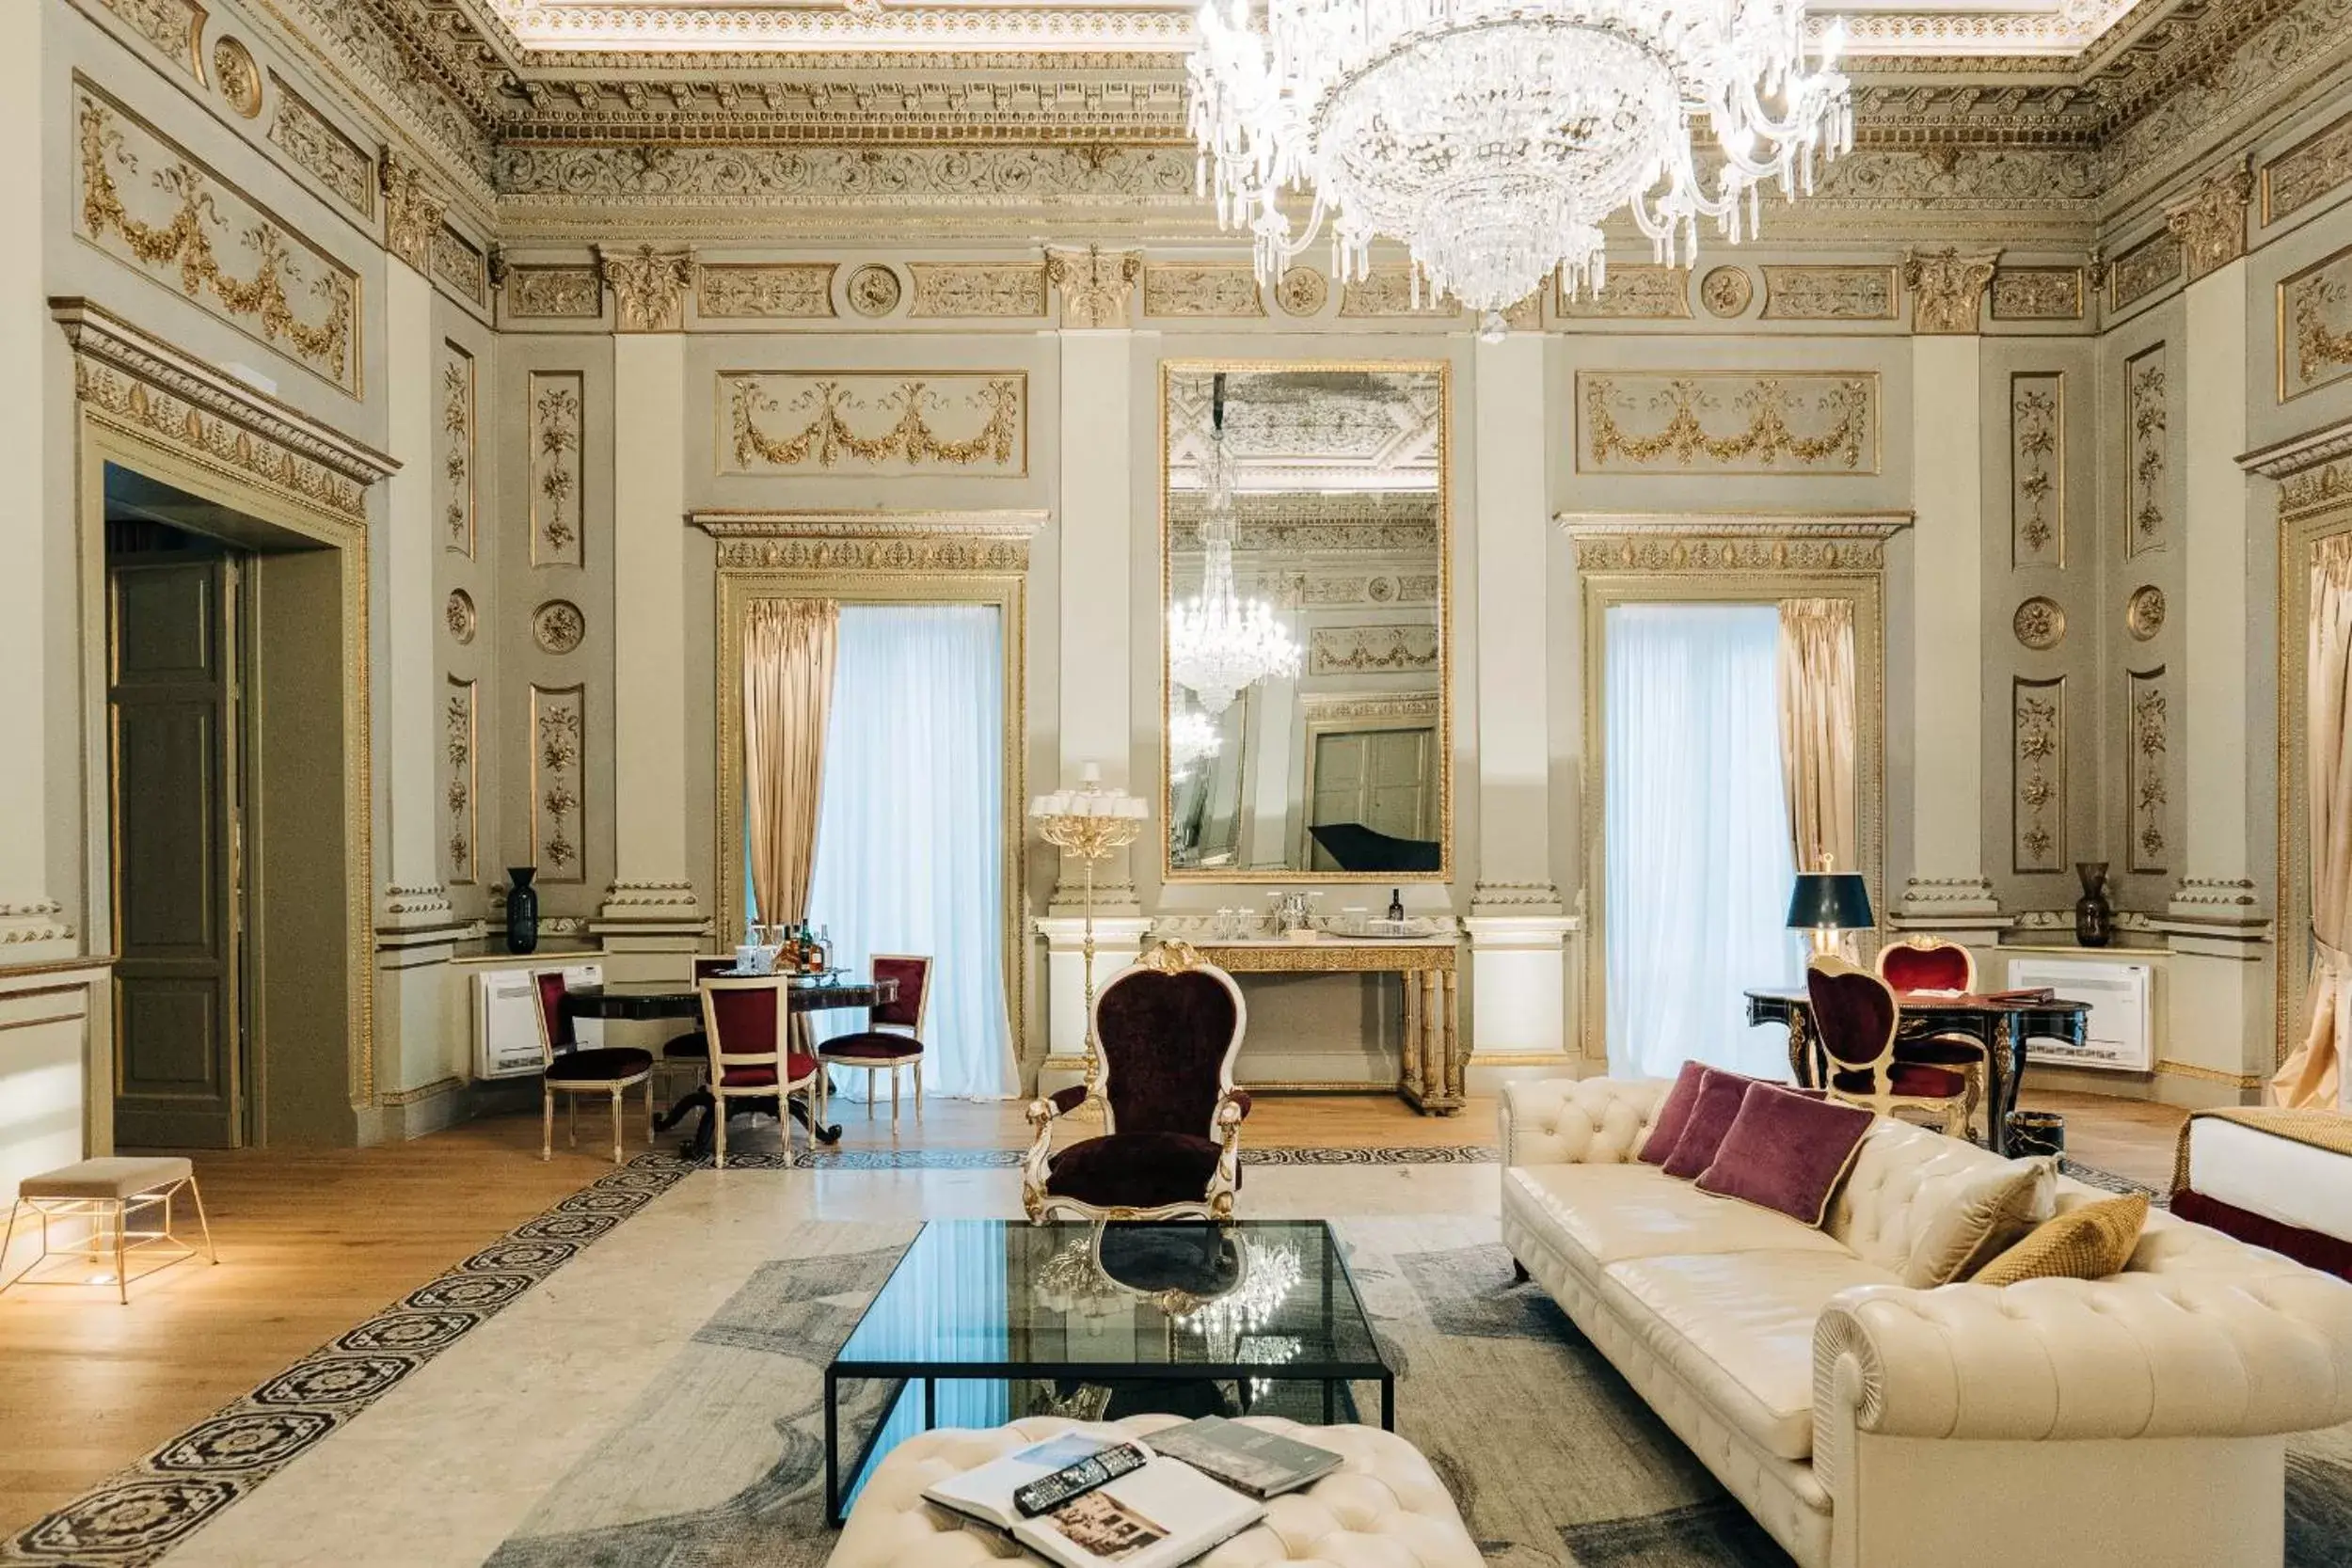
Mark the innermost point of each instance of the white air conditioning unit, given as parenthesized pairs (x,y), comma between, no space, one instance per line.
(506,1024)
(2122,1033)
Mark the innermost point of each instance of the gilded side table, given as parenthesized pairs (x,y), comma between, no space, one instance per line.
(1432,1077)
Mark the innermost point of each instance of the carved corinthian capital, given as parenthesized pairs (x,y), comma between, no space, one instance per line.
(1094,283)
(648,287)
(1946,289)
(412,214)
(2211,223)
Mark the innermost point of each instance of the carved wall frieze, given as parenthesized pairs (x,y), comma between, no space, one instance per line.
(460,780)
(2147,739)
(553,293)
(412,211)
(236,78)
(2314,327)
(2143,269)
(2148,465)
(764,291)
(1094,283)
(2037,468)
(1633,292)
(559,741)
(993,544)
(1672,547)
(2307,171)
(437,82)
(648,287)
(456,482)
(979,289)
(2037,294)
(1202,289)
(873,422)
(1393,292)
(1728,422)
(657,178)
(1372,650)
(461,264)
(1946,289)
(1831,294)
(320,149)
(176,28)
(555,407)
(141,383)
(2038,774)
(143,201)
(2211,222)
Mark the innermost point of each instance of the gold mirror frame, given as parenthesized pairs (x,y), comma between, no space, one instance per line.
(1443,370)
(1727,559)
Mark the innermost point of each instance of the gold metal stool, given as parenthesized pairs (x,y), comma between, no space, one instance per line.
(107,1193)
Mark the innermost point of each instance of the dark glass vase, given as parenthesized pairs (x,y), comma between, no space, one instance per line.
(2095,917)
(523,910)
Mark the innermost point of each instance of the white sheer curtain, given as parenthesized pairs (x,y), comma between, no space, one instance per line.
(910,839)
(1699,866)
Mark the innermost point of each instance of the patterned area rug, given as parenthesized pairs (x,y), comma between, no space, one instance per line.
(1010,1159)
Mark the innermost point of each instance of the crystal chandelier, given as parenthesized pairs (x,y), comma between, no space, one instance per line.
(1191,738)
(1492,138)
(1219,644)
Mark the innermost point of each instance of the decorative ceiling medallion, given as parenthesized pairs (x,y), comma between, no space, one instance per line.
(1727,291)
(1302,292)
(459,614)
(237,77)
(558,626)
(2143,613)
(2040,624)
(874,289)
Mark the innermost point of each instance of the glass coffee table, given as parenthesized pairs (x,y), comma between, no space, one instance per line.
(1017,1319)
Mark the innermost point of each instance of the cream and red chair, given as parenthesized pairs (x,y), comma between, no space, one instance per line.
(1933,964)
(748,1026)
(689,1052)
(603,1069)
(1855,1016)
(893,1037)
(1167,1028)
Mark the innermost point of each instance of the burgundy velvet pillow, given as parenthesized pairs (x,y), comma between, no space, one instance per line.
(1711,1113)
(1673,1115)
(1787,1151)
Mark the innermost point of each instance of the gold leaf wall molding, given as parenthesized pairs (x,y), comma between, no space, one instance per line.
(2313,335)
(2147,741)
(320,149)
(460,263)
(2038,776)
(553,293)
(195,212)
(1735,421)
(555,405)
(874,422)
(1947,289)
(2143,269)
(2037,468)
(1633,291)
(1818,294)
(979,289)
(455,480)
(175,28)
(2210,223)
(559,808)
(162,394)
(1095,283)
(648,286)
(764,291)
(460,789)
(2148,465)
(1226,288)
(1650,544)
(412,211)
(990,543)
(2037,294)
(1372,650)
(2309,170)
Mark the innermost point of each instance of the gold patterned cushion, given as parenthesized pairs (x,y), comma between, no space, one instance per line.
(2089,1243)
(1995,1210)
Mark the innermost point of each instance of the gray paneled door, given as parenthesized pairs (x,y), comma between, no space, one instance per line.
(173,705)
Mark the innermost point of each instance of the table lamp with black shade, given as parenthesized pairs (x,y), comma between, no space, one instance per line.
(1826,904)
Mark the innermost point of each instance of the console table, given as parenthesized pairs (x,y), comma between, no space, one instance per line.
(1432,1078)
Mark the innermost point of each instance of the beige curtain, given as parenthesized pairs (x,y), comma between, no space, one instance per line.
(1817,731)
(2312,1076)
(787,691)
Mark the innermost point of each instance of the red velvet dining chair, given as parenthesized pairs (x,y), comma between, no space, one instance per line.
(1856,1018)
(893,1037)
(689,1052)
(1933,964)
(747,1023)
(572,1072)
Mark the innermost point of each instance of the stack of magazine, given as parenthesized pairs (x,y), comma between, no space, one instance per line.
(1083,1501)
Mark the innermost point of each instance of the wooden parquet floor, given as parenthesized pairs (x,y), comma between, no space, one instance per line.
(317,1239)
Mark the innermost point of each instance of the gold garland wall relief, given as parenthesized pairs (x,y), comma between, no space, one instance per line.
(874,423)
(145,201)
(1728,422)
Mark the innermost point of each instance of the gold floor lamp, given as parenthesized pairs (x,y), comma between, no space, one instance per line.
(1090,822)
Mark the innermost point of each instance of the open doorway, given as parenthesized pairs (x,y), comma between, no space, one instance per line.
(224,842)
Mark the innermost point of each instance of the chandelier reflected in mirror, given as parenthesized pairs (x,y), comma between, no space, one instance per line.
(1219,644)
(1492,139)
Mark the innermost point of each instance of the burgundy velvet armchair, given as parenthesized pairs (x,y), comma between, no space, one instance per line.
(1168,1028)
(1855,1014)
(1931,963)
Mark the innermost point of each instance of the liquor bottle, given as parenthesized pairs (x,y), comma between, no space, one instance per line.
(825,949)
(1396,904)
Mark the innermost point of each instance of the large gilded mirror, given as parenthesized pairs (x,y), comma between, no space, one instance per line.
(1306,705)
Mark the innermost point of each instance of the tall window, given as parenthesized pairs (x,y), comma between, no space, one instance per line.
(910,835)
(1699,866)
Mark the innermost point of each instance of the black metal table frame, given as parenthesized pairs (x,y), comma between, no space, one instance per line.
(2003,1033)
(1330,1374)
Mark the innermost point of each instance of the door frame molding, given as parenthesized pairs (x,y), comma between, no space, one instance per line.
(146,405)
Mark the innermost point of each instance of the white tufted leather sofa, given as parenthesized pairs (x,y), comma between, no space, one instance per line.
(2136,1421)
(1383,1507)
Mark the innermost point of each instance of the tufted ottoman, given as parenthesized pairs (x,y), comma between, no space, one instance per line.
(1384,1507)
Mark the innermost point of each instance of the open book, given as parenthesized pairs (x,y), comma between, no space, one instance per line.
(1156,1515)
(1246,1457)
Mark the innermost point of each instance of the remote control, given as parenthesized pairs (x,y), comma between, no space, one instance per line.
(1048,1493)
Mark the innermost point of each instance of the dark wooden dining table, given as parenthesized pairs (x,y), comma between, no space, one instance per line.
(2003,1024)
(658,999)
